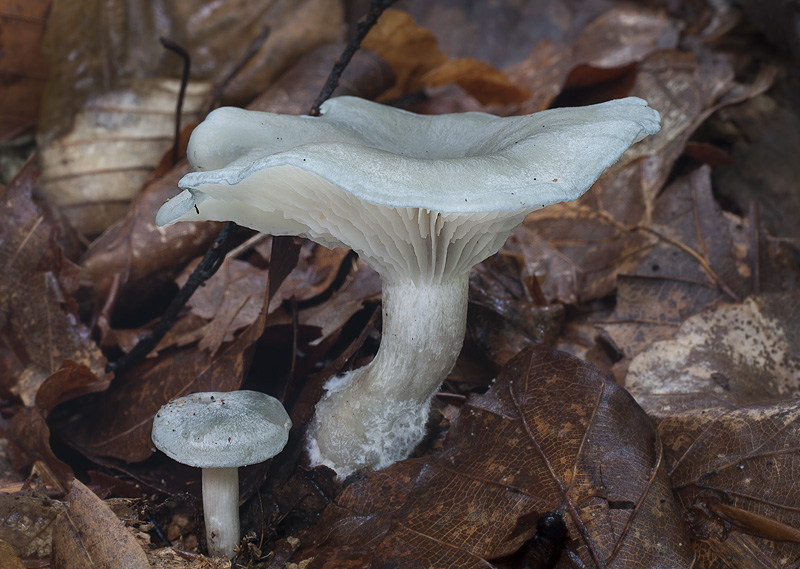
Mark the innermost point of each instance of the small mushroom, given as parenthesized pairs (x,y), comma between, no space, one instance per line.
(421,199)
(219,432)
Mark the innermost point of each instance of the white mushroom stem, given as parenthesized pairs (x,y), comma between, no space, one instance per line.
(221,510)
(376,415)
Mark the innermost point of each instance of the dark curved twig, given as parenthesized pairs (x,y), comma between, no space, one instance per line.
(376,8)
(205,270)
(187,65)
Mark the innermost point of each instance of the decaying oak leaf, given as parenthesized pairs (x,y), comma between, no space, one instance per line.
(417,63)
(742,353)
(702,257)
(23,68)
(552,434)
(8,557)
(38,325)
(503,316)
(89,534)
(91,173)
(734,473)
(214,31)
(26,523)
(606,232)
(134,259)
(606,49)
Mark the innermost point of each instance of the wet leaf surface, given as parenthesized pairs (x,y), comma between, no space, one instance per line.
(23,68)
(38,323)
(89,534)
(733,471)
(546,455)
(665,273)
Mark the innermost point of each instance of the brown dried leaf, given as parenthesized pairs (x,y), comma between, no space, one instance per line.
(604,50)
(90,535)
(486,84)
(214,31)
(23,68)
(230,300)
(119,422)
(413,54)
(733,471)
(600,235)
(29,431)
(91,173)
(551,434)
(38,326)
(8,558)
(134,259)
(410,50)
(98,46)
(741,353)
(26,523)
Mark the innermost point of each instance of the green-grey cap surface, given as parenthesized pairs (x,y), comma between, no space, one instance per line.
(221,429)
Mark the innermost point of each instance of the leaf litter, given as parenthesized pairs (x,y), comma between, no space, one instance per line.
(649,274)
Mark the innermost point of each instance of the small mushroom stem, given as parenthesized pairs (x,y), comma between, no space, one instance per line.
(221,510)
(376,415)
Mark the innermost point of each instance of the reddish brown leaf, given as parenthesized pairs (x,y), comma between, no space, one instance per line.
(71,380)
(29,431)
(23,69)
(90,535)
(733,471)
(604,50)
(552,434)
(38,325)
(605,233)
(486,84)
(9,558)
(26,523)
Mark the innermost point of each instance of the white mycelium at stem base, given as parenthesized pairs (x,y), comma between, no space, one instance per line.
(375,414)
(421,199)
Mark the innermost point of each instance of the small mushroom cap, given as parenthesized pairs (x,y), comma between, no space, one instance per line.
(221,429)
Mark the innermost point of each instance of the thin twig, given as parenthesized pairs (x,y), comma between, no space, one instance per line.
(205,270)
(376,8)
(187,66)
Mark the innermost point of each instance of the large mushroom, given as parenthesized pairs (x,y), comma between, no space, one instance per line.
(219,432)
(421,199)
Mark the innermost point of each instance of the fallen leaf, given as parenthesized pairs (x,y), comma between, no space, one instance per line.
(741,353)
(732,471)
(604,233)
(230,300)
(38,323)
(29,431)
(414,56)
(89,534)
(91,173)
(23,67)
(604,50)
(8,558)
(134,260)
(26,522)
(552,434)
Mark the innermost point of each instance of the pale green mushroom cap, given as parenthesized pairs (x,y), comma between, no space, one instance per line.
(359,175)
(221,429)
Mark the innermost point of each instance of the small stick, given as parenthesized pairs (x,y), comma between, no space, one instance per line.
(204,271)
(187,65)
(376,8)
